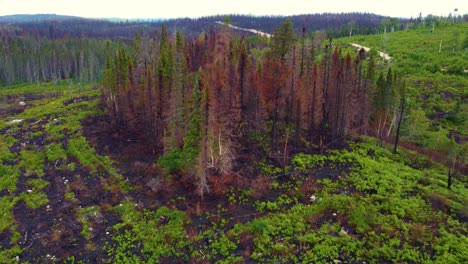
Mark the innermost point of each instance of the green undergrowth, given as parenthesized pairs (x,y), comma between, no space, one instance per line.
(381,208)
(61,87)
(84,215)
(152,234)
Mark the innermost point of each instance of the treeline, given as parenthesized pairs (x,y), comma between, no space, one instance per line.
(56,27)
(50,47)
(210,105)
(28,59)
(336,25)
(74,27)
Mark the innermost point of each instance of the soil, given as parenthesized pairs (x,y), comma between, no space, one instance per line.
(52,231)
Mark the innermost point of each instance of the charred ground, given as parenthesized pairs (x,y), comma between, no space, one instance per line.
(73,190)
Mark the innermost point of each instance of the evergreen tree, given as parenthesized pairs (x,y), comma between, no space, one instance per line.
(282,39)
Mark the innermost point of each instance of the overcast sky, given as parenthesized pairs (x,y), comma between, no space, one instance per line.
(197,8)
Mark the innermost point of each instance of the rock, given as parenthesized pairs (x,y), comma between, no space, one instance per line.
(343,231)
(21,103)
(14,121)
(313,198)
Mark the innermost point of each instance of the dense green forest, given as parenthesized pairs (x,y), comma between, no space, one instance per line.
(162,146)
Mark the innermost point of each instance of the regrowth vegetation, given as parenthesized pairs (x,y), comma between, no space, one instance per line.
(233,149)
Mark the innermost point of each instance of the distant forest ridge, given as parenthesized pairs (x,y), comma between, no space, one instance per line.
(57,26)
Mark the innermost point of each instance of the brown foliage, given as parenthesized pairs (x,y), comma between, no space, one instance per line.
(438,202)
(260,186)
(242,96)
(308,186)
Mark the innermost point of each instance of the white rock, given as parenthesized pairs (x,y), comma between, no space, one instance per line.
(334,214)
(21,103)
(313,198)
(343,231)
(14,121)
(29,191)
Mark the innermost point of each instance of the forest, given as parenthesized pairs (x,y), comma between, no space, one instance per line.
(340,138)
(209,103)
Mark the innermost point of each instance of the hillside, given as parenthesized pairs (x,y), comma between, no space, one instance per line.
(151,166)
(434,62)
(64,199)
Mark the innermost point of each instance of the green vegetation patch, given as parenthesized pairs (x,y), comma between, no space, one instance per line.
(34,199)
(84,216)
(32,162)
(37,184)
(159,233)
(55,152)
(8,177)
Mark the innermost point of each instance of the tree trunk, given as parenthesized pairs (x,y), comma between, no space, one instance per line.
(400,119)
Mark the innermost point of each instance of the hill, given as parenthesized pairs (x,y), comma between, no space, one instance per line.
(41,24)
(35,18)
(433,59)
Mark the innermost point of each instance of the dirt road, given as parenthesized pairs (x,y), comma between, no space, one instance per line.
(260,33)
(383,55)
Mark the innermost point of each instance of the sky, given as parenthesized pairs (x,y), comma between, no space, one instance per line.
(198,8)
